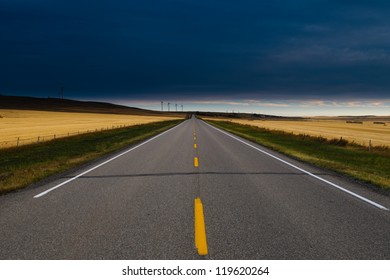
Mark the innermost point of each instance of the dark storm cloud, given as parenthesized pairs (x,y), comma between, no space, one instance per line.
(237,49)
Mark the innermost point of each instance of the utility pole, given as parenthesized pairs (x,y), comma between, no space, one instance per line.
(182,107)
(176,107)
(162,106)
(168,106)
(62,92)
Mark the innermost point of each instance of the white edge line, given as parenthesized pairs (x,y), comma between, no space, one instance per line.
(103,163)
(306,172)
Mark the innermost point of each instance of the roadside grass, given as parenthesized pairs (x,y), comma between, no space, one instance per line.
(359,131)
(24,165)
(335,154)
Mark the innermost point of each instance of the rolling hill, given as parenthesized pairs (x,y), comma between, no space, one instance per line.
(67,105)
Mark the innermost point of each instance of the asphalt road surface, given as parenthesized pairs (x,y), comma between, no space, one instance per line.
(139,204)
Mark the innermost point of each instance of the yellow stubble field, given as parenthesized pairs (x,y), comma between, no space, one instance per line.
(360,133)
(33,126)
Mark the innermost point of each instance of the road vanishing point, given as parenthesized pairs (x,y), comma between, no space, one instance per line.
(195,192)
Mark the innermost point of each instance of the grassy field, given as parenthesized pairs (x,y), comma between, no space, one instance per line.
(360,131)
(33,126)
(22,166)
(334,154)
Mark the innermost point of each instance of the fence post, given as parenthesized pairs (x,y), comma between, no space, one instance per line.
(17,142)
(369,145)
(38,139)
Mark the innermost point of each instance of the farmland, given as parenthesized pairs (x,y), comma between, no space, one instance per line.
(357,130)
(36,126)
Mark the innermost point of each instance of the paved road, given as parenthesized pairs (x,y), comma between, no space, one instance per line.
(140,205)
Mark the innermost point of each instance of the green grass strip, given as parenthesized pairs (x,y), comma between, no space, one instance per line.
(22,166)
(336,154)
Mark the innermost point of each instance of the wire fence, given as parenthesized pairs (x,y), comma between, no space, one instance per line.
(20,141)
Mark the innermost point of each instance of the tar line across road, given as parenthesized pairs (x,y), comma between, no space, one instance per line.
(362,198)
(103,163)
(196,192)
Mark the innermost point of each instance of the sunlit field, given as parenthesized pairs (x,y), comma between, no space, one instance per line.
(359,131)
(20,127)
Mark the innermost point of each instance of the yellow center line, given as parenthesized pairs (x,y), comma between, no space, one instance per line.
(196,162)
(195,146)
(200,228)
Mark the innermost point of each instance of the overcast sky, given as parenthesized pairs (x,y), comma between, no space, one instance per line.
(301,57)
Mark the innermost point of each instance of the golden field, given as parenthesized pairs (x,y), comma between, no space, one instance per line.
(330,128)
(29,125)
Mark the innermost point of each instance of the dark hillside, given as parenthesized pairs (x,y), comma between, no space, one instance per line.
(67,105)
